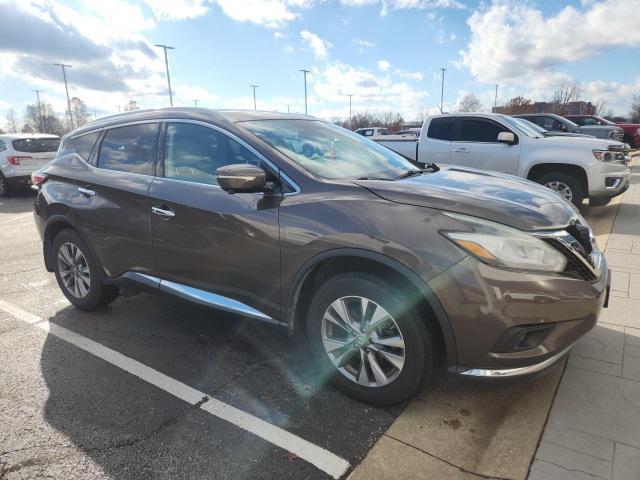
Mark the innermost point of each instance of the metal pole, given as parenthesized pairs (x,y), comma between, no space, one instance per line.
(306,111)
(195,102)
(166,64)
(350,116)
(495,101)
(288,105)
(66,87)
(40,118)
(442,91)
(254,96)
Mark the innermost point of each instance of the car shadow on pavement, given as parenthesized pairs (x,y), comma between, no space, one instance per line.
(135,430)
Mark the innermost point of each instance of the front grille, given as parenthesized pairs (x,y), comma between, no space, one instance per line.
(575,267)
(582,235)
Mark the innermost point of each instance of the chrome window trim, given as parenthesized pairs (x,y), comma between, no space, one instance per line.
(292,184)
(202,297)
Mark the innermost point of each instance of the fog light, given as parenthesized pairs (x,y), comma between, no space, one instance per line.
(612,182)
(522,337)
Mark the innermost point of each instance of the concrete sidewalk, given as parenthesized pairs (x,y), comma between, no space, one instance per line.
(593,430)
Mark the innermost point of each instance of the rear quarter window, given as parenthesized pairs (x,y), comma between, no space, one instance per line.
(129,149)
(36,145)
(84,144)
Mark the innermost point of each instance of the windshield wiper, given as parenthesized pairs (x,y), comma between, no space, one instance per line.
(372,178)
(428,167)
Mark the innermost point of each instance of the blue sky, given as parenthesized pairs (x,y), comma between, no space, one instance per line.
(387,53)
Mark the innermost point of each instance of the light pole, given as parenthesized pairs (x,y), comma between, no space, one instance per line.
(64,75)
(306,111)
(288,106)
(350,95)
(40,119)
(166,64)
(195,102)
(254,96)
(495,101)
(442,90)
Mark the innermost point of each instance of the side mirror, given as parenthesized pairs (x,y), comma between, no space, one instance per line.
(562,127)
(241,178)
(507,137)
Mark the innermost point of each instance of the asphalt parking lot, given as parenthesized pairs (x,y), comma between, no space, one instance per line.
(152,387)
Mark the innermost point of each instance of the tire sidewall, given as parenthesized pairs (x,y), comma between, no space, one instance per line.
(576,189)
(419,351)
(94,297)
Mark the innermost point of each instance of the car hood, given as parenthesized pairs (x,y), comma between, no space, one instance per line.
(587,142)
(490,195)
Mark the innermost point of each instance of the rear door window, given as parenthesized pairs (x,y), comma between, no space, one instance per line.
(36,145)
(479,130)
(129,149)
(84,144)
(441,129)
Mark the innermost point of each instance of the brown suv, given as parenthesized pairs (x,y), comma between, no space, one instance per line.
(386,267)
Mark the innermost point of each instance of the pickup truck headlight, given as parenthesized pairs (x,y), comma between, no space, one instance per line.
(502,246)
(609,156)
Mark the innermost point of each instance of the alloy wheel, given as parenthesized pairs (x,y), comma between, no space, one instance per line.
(363,341)
(561,188)
(74,270)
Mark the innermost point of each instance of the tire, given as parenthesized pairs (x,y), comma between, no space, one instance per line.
(417,336)
(78,275)
(562,180)
(5,190)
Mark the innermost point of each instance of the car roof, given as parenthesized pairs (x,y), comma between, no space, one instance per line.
(467,114)
(17,136)
(190,113)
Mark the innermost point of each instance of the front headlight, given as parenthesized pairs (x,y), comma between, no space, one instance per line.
(608,156)
(502,246)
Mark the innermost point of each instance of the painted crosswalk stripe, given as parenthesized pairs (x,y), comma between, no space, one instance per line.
(317,456)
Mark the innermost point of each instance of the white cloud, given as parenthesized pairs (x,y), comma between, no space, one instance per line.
(319,46)
(175,9)
(364,43)
(415,76)
(270,13)
(514,39)
(371,92)
(384,65)
(389,5)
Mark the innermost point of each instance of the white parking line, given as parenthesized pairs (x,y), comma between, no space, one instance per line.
(318,456)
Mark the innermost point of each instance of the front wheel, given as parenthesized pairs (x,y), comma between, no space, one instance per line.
(564,185)
(77,273)
(369,338)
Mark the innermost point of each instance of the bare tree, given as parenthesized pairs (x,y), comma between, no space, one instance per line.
(519,105)
(635,109)
(469,103)
(79,111)
(567,92)
(12,121)
(45,120)
(131,106)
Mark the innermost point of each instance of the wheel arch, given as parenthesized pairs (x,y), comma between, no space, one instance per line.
(54,225)
(537,170)
(339,260)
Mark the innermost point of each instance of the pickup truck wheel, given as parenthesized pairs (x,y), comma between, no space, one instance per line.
(565,185)
(367,340)
(77,273)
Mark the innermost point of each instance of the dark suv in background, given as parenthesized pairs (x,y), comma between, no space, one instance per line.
(386,268)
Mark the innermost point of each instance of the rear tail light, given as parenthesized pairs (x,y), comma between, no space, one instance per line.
(38,179)
(15,159)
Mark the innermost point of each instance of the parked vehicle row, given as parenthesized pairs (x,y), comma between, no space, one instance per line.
(556,123)
(387,269)
(575,167)
(631,130)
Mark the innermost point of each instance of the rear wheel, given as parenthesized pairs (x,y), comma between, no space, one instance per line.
(369,339)
(565,185)
(77,273)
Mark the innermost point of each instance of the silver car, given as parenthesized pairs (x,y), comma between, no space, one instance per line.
(556,123)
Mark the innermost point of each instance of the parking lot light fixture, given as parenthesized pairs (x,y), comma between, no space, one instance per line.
(40,118)
(495,101)
(66,87)
(166,64)
(442,91)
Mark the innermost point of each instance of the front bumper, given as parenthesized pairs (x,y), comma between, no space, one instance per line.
(484,303)
(608,180)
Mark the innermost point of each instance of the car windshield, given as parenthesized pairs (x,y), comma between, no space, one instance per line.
(604,121)
(522,126)
(36,145)
(329,151)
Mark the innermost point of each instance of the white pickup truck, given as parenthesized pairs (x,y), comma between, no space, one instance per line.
(576,167)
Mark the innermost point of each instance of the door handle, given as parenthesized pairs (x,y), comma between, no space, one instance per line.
(461,150)
(86,192)
(162,212)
